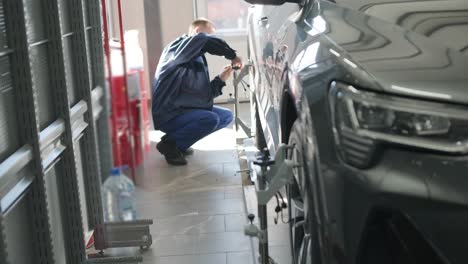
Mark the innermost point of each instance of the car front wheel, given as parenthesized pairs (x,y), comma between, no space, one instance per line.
(300,205)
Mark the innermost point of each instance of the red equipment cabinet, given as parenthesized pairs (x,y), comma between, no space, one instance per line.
(139,115)
(130,120)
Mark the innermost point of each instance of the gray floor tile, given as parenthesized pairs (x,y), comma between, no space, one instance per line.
(184,177)
(190,259)
(233,192)
(174,245)
(165,209)
(244,257)
(237,241)
(235,222)
(203,158)
(194,224)
(223,242)
(219,147)
(193,206)
(189,194)
(278,235)
(160,210)
(216,180)
(200,193)
(143,195)
(231,169)
(281,254)
(216,207)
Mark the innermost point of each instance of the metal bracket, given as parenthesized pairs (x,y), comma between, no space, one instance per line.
(252,230)
(279,174)
(239,76)
(123,234)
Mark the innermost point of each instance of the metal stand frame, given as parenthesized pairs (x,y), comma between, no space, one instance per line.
(274,175)
(237,79)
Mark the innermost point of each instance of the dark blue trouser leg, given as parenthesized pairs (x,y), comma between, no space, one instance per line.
(192,126)
(225,117)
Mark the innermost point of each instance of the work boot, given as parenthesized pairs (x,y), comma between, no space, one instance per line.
(164,138)
(187,152)
(169,149)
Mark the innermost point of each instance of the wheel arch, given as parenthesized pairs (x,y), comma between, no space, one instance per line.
(288,114)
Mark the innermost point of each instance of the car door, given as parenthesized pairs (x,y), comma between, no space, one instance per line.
(269,27)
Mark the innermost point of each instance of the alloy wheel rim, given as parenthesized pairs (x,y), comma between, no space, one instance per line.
(300,231)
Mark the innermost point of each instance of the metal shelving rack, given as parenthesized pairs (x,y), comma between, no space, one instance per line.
(54,129)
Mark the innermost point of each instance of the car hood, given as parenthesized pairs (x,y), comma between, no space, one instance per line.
(389,58)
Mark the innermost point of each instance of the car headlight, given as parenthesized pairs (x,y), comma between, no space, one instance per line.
(359,116)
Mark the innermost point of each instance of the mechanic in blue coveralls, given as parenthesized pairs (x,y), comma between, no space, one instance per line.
(183,93)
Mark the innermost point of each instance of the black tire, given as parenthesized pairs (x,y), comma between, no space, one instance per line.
(260,141)
(299,203)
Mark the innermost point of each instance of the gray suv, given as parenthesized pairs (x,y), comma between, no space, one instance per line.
(373,94)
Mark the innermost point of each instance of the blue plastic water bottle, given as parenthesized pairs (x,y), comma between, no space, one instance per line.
(118,193)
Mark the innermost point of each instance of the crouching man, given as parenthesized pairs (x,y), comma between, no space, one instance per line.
(183,93)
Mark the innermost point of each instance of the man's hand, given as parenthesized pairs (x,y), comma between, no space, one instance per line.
(226,73)
(237,62)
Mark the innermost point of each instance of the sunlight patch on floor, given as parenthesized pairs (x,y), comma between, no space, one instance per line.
(223,139)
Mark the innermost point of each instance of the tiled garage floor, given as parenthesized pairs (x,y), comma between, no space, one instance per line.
(199,209)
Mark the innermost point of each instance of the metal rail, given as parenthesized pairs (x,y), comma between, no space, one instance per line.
(12,183)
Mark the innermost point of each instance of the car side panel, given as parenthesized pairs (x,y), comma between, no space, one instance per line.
(268,58)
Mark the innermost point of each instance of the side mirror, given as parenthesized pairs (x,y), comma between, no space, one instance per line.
(272,2)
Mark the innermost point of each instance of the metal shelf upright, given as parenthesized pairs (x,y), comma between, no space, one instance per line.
(52,81)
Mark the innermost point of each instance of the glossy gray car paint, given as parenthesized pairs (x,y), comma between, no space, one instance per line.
(414,49)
